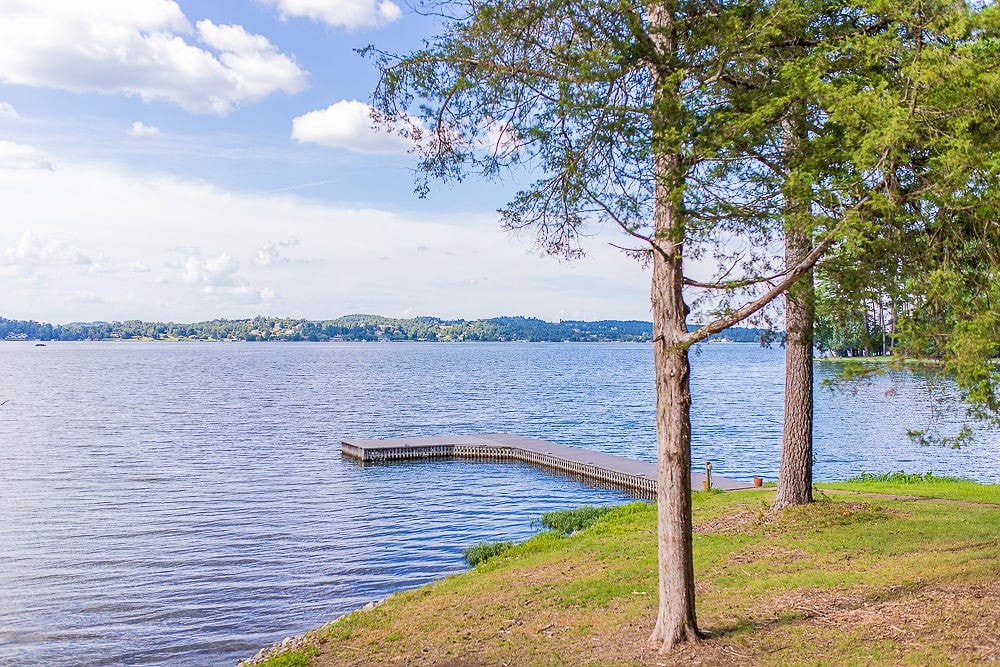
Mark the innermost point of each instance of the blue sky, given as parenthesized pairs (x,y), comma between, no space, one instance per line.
(189,160)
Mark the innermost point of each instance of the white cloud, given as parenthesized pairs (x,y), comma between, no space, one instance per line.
(101,263)
(7,111)
(211,272)
(21,156)
(271,254)
(217,277)
(143,48)
(348,124)
(255,68)
(140,129)
(31,253)
(342,13)
(202,245)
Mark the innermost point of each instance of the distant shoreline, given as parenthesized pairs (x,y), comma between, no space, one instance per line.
(34,341)
(360,328)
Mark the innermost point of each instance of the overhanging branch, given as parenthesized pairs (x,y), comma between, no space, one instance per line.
(740,314)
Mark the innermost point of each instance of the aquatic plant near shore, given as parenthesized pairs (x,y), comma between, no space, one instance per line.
(570,521)
(482,552)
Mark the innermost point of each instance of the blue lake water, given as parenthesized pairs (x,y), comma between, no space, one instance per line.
(186,504)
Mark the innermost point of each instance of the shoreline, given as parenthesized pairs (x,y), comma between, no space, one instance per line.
(350,342)
(299,641)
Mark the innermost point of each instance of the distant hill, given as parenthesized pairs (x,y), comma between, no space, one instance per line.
(356,328)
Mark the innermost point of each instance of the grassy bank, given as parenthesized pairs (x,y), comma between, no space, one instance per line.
(848,580)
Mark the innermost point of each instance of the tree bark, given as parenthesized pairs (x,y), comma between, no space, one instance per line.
(795,475)
(676,621)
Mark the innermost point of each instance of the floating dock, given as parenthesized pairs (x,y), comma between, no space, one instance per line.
(618,471)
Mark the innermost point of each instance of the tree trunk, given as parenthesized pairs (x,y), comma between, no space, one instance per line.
(676,621)
(795,476)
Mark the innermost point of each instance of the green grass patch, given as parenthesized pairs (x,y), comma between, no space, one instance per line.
(299,658)
(873,359)
(570,521)
(827,514)
(482,552)
(878,360)
(923,485)
(902,477)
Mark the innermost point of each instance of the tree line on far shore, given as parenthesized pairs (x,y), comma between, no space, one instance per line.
(356,328)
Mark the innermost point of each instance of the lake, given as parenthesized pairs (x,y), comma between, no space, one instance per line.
(187,503)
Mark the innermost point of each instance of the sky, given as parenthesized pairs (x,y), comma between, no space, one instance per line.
(195,159)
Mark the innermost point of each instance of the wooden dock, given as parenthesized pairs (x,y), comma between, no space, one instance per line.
(617,471)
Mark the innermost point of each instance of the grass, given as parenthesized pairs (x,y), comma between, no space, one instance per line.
(482,552)
(877,359)
(903,477)
(873,359)
(921,485)
(570,521)
(847,580)
(294,658)
(561,522)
